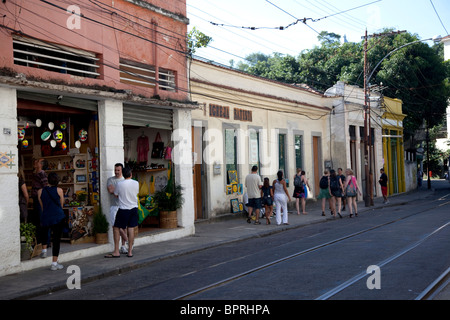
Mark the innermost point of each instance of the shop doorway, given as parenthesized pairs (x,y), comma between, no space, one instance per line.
(62,134)
(198,173)
(316,159)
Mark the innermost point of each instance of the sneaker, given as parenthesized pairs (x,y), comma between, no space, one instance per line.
(43,254)
(123,250)
(56,266)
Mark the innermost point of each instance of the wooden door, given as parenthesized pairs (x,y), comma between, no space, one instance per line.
(316,159)
(197,175)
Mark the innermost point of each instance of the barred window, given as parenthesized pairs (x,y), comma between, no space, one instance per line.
(57,58)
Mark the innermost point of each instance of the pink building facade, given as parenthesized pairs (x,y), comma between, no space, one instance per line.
(80,84)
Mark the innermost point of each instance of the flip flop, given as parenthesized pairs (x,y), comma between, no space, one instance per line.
(128,256)
(112,256)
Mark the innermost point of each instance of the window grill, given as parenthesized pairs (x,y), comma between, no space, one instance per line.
(55,58)
(166,80)
(142,75)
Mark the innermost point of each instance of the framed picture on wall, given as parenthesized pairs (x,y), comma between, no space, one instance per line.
(232,176)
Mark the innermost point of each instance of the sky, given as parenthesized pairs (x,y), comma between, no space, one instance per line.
(234,40)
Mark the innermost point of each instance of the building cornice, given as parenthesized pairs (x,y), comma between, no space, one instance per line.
(101,93)
(161,11)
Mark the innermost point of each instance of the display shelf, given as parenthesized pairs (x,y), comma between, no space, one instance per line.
(151,170)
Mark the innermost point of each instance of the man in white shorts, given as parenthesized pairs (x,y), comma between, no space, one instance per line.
(114,201)
(127,215)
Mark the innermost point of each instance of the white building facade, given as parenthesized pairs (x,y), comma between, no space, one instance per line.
(246,120)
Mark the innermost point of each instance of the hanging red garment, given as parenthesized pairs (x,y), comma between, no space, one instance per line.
(142,149)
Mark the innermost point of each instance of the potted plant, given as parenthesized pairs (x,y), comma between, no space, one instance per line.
(168,200)
(100,227)
(27,238)
(82,197)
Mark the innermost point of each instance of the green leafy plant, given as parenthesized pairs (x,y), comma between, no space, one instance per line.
(170,198)
(100,222)
(28,231)
(196,40)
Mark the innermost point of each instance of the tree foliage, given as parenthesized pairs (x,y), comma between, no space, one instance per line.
(416,74)
(196,40)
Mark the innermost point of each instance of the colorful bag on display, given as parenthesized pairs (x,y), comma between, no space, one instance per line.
(168,153)
(158,147)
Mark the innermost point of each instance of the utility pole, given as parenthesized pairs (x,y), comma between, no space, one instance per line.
(368,144)
(366,114)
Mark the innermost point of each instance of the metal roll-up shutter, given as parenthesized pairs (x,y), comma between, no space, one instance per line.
(144,116)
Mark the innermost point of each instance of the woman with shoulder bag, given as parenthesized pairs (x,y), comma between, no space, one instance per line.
(351,188)
(51,199)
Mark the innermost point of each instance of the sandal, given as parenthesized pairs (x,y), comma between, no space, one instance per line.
(257,222)
(112,256)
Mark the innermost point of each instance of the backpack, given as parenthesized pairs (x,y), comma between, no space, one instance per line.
(298,181)
(334,183)
(324,182)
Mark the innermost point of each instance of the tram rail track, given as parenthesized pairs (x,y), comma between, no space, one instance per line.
(431,291)
(435,287)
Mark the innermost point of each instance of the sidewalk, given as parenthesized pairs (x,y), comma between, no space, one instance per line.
(208,234)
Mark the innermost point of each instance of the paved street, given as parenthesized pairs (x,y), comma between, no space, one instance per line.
(408,241)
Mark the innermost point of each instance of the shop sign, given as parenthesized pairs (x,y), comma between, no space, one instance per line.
(242,115)
(217,111)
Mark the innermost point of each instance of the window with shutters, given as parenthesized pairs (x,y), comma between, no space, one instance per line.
(137,74)
(53,57)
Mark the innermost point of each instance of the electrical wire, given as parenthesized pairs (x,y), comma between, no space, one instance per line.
(111,27)
(446,32)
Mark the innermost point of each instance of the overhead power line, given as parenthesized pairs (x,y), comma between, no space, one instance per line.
(438,17)
(297,20)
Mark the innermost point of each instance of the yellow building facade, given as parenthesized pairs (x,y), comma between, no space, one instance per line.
(393,147)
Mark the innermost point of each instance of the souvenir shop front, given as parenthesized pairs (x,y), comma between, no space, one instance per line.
(148,151)
(63,132)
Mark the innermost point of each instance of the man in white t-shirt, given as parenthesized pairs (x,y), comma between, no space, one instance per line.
(127,215)
(114,201)
(253,184)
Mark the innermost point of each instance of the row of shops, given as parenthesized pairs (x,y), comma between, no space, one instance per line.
(208,146)
(65,135)
(81,140)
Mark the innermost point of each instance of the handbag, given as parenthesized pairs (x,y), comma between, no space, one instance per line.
(168,153)
(158,147)
(351,189)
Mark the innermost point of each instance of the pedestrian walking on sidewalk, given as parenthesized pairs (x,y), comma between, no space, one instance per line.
(114,203)
(336,190)
(324,193)
(342,177)
(281,196)
(300,191)
(267,199)
(383,183)
(51,200)
(253,184)
(127,215)
(351,188)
